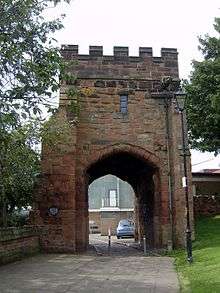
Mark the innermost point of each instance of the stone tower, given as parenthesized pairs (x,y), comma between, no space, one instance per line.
(123,128)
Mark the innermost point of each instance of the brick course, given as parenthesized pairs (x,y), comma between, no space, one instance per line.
(16,243)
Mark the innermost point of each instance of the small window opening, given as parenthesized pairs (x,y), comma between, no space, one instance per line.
(124,104)
(110,200)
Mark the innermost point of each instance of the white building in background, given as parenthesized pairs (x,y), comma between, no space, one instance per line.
(110,200)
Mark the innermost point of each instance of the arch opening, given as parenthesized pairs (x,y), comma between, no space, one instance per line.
(143,177)
(111,200)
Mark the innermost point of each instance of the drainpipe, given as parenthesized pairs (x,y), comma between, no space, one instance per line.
(167,102)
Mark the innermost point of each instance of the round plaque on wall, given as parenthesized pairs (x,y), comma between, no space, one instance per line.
(53,211)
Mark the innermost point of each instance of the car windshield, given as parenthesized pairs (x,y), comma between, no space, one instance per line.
(125,223)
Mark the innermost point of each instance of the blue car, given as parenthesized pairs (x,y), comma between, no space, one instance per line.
(125,229)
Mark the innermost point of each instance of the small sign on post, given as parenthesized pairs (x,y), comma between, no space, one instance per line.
(184,182)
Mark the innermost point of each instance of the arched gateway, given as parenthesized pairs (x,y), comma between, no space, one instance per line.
(123,130)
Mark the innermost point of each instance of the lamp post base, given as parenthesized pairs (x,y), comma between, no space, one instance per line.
(189,246)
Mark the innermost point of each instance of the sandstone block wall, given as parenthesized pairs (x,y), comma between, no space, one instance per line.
(16,243)
(142,147)
(206,205)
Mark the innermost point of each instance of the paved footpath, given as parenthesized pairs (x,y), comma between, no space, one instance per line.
(62,273)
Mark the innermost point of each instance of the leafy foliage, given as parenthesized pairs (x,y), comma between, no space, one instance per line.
(19,168)
(30,67)
(57,132)
(30,63)
(203,96)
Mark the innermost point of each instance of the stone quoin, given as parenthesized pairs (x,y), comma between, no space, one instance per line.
(121,129)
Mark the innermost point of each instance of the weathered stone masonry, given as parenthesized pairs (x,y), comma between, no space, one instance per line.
(142,147)
(17,242)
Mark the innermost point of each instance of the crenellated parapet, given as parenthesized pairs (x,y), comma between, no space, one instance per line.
(120,65)
(119,53)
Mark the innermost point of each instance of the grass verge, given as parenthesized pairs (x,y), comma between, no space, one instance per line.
(203,275)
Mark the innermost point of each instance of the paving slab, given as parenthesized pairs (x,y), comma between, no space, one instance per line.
(62,273)
(122,269)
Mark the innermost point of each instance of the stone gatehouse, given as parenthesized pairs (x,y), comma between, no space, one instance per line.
(122,129)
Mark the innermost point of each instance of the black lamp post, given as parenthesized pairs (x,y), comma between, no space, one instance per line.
(180,101)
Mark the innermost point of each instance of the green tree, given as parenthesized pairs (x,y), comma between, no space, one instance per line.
(203,96)
(30,67)
(30,61)
(19,168)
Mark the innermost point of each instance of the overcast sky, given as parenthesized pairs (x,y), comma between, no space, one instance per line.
(156,23)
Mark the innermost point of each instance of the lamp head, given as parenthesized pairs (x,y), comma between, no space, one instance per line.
(180,97)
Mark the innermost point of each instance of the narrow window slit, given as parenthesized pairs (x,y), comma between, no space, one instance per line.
(124,104)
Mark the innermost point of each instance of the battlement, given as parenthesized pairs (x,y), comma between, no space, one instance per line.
(120,54)
(120,65)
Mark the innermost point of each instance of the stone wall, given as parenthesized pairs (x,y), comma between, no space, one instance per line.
(109,219)
(141,147)
(206,205)
(16,243)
